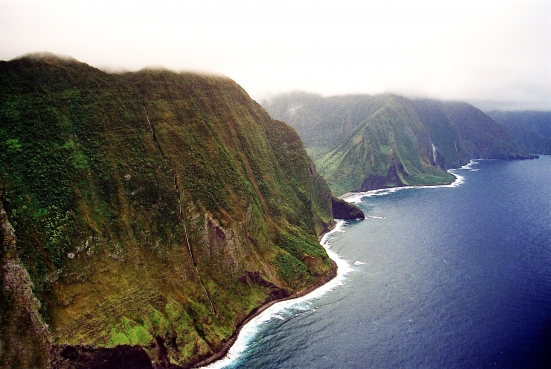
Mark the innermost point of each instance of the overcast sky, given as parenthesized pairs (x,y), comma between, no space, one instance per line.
(490,53)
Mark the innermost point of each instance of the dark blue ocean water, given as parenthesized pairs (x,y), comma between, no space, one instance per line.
(448,277)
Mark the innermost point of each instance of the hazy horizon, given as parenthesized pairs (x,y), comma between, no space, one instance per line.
(493,54)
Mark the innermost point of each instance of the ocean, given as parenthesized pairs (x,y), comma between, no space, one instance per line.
(452,276)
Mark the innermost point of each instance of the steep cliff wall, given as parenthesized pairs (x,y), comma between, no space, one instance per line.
(153,211)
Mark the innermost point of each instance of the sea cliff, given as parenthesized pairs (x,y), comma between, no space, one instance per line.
(146,215)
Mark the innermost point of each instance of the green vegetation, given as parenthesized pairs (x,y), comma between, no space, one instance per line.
(142,201)
(130,334)
(386,150)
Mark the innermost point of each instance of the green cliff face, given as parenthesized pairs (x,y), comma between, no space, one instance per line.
(365,142)
(153,208)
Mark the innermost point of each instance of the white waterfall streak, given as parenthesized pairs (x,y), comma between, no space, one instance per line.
(434,155)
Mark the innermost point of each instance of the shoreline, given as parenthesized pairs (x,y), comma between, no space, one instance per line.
(334,272)
(257,311)
(356,196)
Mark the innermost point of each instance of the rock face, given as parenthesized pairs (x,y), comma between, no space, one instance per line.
(362,142)
(123,356)
(153,211)
(25,339)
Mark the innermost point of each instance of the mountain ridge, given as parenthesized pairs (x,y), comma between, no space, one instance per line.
(364,142)
(153,210)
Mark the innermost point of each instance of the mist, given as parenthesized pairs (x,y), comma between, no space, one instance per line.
(494,54)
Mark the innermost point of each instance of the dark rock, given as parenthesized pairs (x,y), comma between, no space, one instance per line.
(345,210)
(24,337)
(83,357)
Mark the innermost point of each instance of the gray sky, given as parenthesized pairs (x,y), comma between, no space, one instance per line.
(494,54)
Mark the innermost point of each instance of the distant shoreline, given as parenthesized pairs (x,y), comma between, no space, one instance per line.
(457,181)
(256,312)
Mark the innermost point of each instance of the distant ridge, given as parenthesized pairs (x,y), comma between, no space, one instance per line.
(46,55)
(530,130)
(363,142)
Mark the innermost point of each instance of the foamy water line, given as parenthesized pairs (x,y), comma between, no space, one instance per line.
(356,197)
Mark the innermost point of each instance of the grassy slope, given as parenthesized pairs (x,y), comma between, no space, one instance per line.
(321,122)
(143,203)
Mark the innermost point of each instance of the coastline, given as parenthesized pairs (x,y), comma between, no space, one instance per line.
(257,311)
(352,197)
(457,182)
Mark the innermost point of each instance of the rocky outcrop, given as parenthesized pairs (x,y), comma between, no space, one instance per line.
(24,337)
(346,211)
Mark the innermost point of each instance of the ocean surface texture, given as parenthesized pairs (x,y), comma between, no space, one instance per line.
(450,277)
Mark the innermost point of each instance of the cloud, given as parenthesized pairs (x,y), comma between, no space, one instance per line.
(477,50)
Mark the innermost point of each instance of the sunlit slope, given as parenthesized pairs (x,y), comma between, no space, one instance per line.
(151,208)
(323,123)
(368,142)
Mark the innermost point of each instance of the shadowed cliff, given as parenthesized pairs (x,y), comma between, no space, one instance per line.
(530,130)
